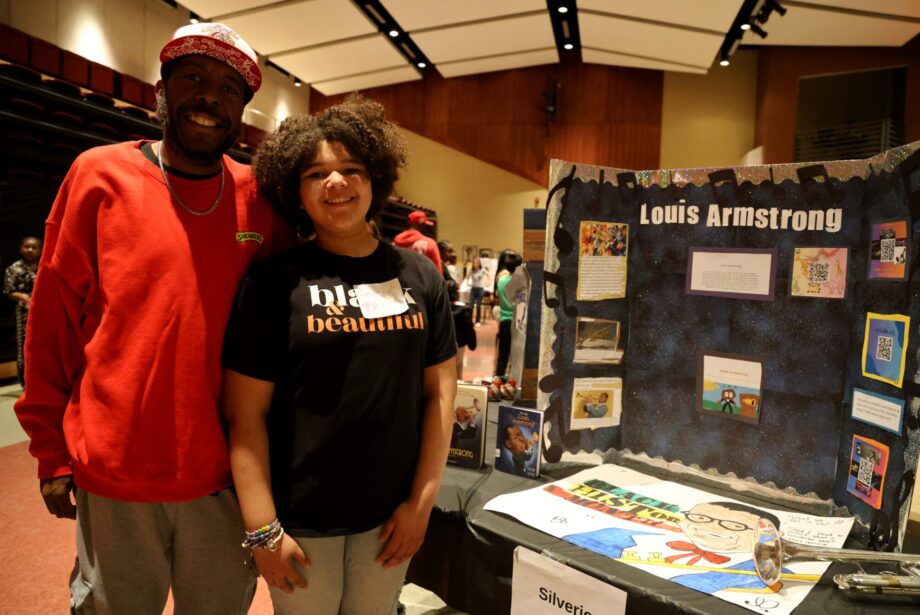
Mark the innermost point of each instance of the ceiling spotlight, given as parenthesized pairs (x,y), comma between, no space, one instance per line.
(758,30)
(723,58)
(563,9)
(745,26)
(394,33)
(297,83)
(776,6)
(569,46)
(193,18)
(421,65)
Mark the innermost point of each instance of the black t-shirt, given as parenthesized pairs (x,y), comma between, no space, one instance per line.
(345,421)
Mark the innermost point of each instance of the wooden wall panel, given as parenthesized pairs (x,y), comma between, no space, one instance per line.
(780,69)
(605,115)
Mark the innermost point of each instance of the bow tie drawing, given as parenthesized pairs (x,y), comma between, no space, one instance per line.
(693,552)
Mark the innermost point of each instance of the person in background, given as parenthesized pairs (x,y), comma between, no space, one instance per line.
(510,260)
(339,374)
(414,239)
(18,281)
(144,248)
(476,290)
(449,259)
(463,316)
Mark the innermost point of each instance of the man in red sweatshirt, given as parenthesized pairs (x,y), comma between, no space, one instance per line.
(144,247)
(413,238)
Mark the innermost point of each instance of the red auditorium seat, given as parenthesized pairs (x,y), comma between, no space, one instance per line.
(22,73)
(26,107)
(132,90)
(64,87)
(137,112)
(98,98)
(66,149)
(104,130)
(66,118)
(150,97)
(101,78)
(46,58)
(14,45)
(21,138)
(75,68)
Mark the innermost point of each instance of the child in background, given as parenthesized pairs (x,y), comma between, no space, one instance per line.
(17,285)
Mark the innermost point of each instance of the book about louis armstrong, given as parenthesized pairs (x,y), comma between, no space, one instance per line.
(468,436)
(517,450)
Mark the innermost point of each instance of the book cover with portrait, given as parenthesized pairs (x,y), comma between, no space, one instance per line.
(517,447)
(468,434)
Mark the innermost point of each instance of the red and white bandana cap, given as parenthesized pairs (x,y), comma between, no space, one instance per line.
(219,42)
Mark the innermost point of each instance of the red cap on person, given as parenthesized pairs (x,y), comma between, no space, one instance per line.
(217,41)
(419,217)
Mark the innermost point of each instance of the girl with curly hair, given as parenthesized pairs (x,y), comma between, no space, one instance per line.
(340,378)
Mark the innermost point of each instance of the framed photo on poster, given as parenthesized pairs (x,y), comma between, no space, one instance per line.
(889,250)
(820,273)
(868,466)
(884,351)
(730,385)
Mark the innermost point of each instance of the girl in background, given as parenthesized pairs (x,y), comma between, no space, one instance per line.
(476,290)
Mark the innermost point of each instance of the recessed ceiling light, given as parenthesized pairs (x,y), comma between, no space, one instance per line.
(723,62)
(421,65)
(569,46)
(563,9)
(745,26)
(394,33)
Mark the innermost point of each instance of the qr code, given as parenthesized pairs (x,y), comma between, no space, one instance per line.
(883,350)
(865,471)
(818,272)
(888,246)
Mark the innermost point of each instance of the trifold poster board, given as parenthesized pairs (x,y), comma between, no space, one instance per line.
(750,327)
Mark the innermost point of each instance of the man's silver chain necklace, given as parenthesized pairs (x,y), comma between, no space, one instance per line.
(175,196)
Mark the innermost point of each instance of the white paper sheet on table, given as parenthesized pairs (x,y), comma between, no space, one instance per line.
(636,519)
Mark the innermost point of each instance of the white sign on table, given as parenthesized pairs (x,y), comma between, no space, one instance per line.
(541,585)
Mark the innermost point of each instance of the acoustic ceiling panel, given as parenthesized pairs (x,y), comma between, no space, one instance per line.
(415,15)
(481,39)
(301,24)
(338,60)
(716,15)
(375,79)
(599,56)
(819,27)
(502,62)
(209,9)
(651,41)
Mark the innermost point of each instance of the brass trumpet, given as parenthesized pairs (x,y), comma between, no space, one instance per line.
(772,552)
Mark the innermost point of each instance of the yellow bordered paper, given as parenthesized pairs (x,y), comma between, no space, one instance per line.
(885,347)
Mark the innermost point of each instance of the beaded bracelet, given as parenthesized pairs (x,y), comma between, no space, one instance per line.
(266,537)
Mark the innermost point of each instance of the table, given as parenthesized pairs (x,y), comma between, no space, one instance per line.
(467,557)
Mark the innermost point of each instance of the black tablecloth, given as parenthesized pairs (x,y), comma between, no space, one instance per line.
(467,557)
